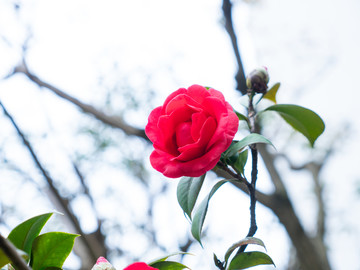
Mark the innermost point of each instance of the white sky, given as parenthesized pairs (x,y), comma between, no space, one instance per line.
(311,47)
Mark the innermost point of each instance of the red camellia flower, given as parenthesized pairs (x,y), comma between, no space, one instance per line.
(190,131)
(139,266)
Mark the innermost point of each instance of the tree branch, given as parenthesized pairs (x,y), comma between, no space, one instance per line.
(111,120)
(263,198)
(315,169)
(275,176)
(240,75)
(11,252)
(311,252)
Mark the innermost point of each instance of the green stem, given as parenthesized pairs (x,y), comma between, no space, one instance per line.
(254,171)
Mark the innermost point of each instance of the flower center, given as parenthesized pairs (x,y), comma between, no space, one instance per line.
(183,134)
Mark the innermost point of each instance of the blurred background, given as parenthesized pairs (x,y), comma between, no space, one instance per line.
(79,78)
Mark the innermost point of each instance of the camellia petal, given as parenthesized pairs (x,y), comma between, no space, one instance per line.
(171,96)
(183,134)
(139,266)
(196,149)
(197,93)
(198,120)
(151,128)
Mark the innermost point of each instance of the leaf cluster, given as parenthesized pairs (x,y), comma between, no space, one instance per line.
(40,251)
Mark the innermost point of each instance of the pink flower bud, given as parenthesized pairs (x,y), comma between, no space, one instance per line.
(102,264)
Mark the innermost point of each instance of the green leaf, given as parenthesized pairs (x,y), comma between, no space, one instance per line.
(51,249)
(271,93)
(240,162)
(248,259)
(199,217)
(241,116)
(245,241)
(168,265)
(301,119)
(4,260)
(168,256)
(248,140)
(188,191)
(23,235)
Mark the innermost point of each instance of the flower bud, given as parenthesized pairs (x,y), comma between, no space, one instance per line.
(102,264)
(258,79)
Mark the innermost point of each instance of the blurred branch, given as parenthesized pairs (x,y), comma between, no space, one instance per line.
(186,246)
(113,121)
(240,75)
(315,168)
(84,186)
(263,198)
(308,250)
(91,247)
(96,238)
(275,177)
(311,252)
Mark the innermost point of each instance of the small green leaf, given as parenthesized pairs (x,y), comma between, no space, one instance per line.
(51,249)
(23,235)
(271,93)
(248,140)
(216,260)
(199,217)
(245,241)
(188,191)
(301,119)
(4,260)
(248,259)
(168,256)
(241,116)
(168,265)
(240,162)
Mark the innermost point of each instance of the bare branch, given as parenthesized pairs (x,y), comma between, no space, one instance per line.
(311,252)
(240,76)
(315,169)
(275,176)
(111,120)
(85,188)
(11,252)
